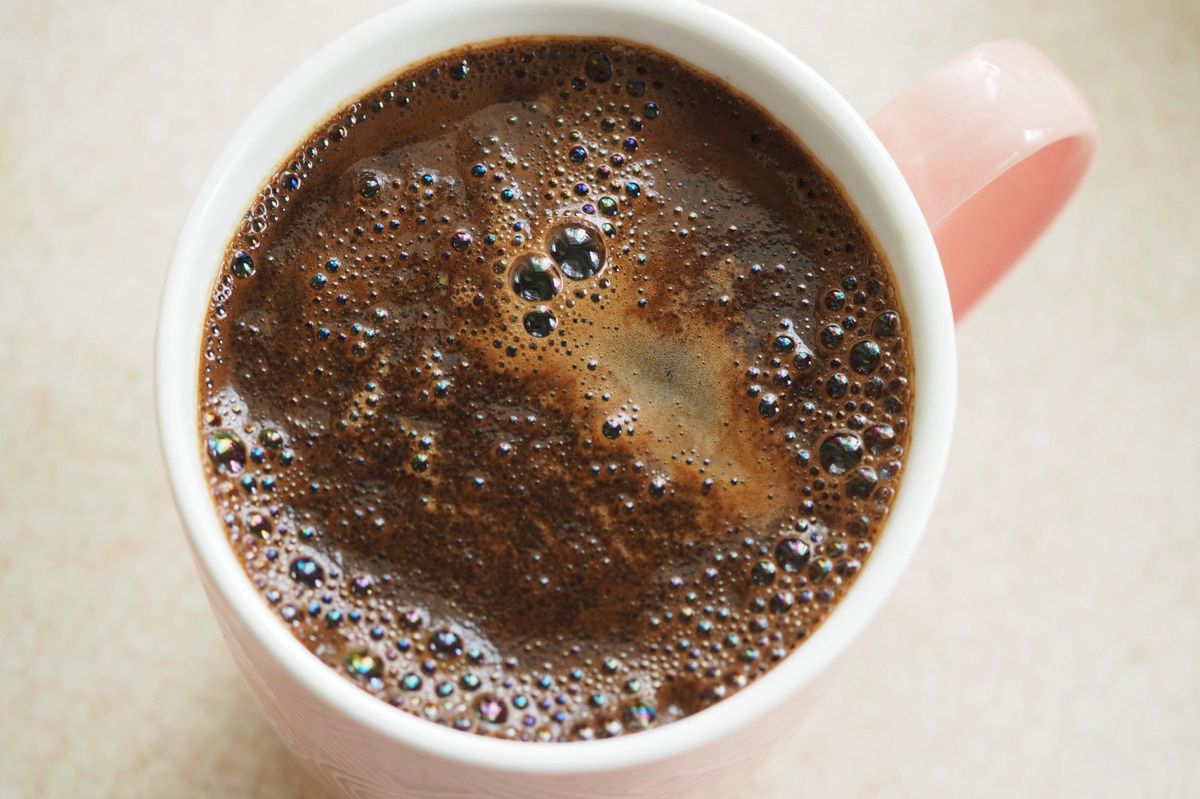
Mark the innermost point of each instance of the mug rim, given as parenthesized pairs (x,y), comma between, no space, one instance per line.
(868,177)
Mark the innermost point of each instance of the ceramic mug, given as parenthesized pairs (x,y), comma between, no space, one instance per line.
(973,162)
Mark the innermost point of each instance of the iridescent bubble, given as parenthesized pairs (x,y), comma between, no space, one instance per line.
(636,87)
(598,67)
(460,241)
(271,438)
(840,452)
(535,278)
(861,483)
(864,356)
(832,336)
(886,325)
(879,438)
(651,110)
(578,154)
(835,300)
(608,205)
(242,264)
(307,571)
(578,250)
(445,644)
(791,554)
(763,573)
(459,70)
(227,452)
(639,715)
(784,343)
(491,709)
(540,322)
(363,664)
(783,601)
(258,523)
(837,385)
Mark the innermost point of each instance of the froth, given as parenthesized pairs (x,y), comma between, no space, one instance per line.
(553,392)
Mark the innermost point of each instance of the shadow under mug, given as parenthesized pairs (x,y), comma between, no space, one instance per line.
(972,163)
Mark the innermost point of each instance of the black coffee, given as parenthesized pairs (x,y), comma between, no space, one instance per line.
(552,390)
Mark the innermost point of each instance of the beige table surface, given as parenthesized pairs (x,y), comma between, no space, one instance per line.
(1046,641)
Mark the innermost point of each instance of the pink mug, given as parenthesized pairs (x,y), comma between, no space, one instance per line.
(971,163)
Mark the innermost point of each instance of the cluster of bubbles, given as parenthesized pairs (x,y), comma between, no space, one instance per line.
(746,605)
(576,250)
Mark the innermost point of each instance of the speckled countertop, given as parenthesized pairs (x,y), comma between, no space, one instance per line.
(1046,641)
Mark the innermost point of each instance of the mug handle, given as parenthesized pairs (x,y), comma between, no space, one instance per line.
(992,145)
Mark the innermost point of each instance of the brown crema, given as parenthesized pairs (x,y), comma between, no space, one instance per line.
(551,390)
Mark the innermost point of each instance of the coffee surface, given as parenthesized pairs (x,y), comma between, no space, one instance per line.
(552,391)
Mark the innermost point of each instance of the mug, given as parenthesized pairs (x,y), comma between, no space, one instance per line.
(971,163)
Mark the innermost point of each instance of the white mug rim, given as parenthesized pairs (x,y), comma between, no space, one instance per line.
(898,224)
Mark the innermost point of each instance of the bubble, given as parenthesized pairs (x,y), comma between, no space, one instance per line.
(460,241)
(608,205)
(535,278)
(832,336)
(840,452)
(630,144)
(837,385)
(636,87)
(578,154)
(578,250)
(479,170)
(540,322)
(318,281)
(861,483)
(491,709)
(258,523)
(791,554)
(226,451)
(804,358)
(886,325)
(879,438)
(864,356)
(307,571)
(598,67)
(763,573)
(658,486)
(783,601)
(784,343)
(242,264)
(363,664)
(445,644)
(362,585)
(459,70)
(651,110)
(835,300)
(768,406)
(369,185)
(611,428)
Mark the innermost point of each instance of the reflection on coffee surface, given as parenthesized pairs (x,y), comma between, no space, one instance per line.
(552,391)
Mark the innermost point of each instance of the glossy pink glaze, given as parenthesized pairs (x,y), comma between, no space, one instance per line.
(992,145)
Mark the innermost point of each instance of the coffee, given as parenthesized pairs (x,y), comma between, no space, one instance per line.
(551,390)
